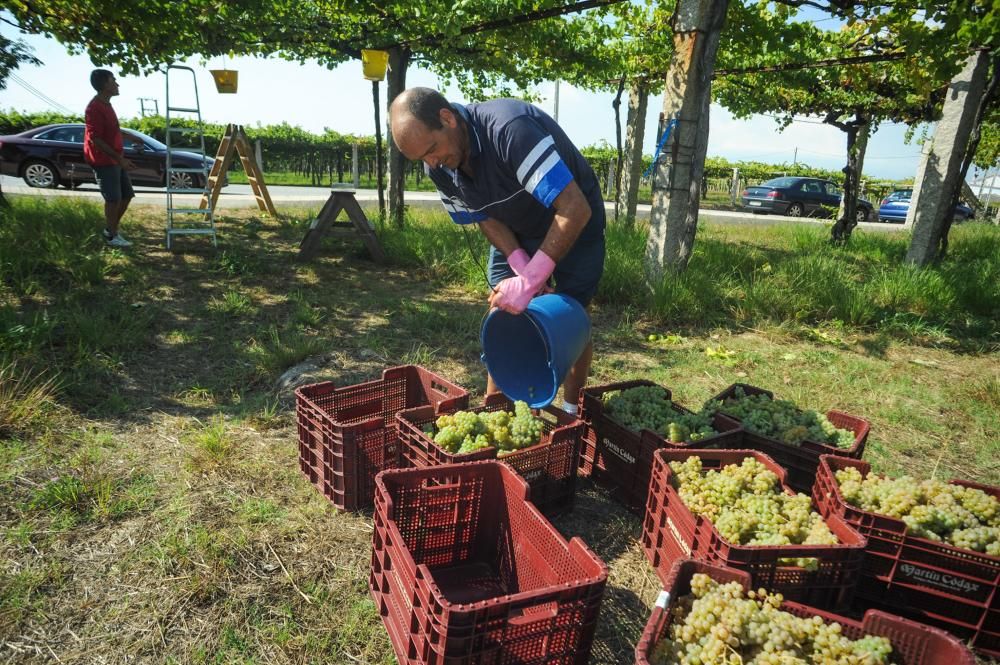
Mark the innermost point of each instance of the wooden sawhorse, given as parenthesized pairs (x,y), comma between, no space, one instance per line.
(327,222)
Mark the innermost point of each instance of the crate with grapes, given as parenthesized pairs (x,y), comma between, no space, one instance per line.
(733,507)
(542,445)
(793,437)
(627,421)
(933,549)
(711,614)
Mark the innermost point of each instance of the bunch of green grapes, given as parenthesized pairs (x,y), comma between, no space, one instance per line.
(780,419)
(965,517)
(649,407)
(720,623)
(466,431)
(689,427)
(525,429)
(746,504)
(642,407)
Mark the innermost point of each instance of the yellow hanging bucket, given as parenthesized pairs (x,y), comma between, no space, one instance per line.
(373,64)
(226,80)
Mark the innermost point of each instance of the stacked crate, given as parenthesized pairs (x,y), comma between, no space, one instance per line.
(465,570)
(348,434)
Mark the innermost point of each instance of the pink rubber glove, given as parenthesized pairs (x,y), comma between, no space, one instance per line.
(518,261)
(514,293)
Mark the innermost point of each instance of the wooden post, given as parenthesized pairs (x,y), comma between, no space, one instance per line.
(258,154)
(355,167)
(734,187)
(378,150)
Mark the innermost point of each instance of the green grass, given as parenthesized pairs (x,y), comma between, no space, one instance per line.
(795,275)
(149,466)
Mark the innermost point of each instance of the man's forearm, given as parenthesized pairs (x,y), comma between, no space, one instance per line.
(572,214)
(500,236)
(103,146)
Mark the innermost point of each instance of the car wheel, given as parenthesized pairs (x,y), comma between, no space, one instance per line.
(182,180)
(795,210)
(40,174)
(861,215)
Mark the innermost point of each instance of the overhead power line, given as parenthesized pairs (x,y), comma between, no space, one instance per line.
(39,94)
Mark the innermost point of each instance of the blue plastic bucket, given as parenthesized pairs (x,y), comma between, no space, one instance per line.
(529,354)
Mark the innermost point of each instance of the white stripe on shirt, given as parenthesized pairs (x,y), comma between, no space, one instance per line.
(541,172)
(529,161)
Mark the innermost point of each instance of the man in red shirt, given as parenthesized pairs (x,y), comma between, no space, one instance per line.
(104,150)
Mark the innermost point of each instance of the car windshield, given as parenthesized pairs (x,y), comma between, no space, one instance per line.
(780,182)
(148,140)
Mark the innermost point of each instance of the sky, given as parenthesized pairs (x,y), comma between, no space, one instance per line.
(314,97)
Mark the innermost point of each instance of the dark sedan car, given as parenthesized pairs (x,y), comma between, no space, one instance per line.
(799,197)
(52,155)
(895,206)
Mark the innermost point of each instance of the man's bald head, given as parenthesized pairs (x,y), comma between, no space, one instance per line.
(423,104)
(424,126)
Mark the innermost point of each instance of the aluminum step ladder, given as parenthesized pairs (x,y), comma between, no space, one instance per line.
(186,219)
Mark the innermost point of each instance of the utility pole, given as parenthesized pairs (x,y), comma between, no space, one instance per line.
(795,159)
(152,108)
(555,114)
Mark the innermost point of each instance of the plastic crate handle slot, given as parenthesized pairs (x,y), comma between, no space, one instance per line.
(434,485)
(538,613)
(440,387)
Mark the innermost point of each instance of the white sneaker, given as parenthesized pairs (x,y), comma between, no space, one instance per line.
(119,241)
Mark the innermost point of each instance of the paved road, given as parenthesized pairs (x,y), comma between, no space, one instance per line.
(240,196)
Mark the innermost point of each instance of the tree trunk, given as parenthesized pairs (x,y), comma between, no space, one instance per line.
(860,149)
(970,154)
(696,25)
(617,104)
(378,150)
(938,173)
(628,193)
(399,59)
(847,218)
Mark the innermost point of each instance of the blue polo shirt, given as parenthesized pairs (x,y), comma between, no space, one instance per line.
(521,161)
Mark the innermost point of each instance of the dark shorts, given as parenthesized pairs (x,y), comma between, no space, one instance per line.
(115,183)
(576,275)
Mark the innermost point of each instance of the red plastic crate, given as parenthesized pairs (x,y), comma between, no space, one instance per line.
(550,467)
(931,581)
(347,435)
(912,643)
(620,458)
(465,570)
(802,460)
(671,532)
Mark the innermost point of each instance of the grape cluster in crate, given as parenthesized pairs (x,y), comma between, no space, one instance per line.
(774,542)
(468,431)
